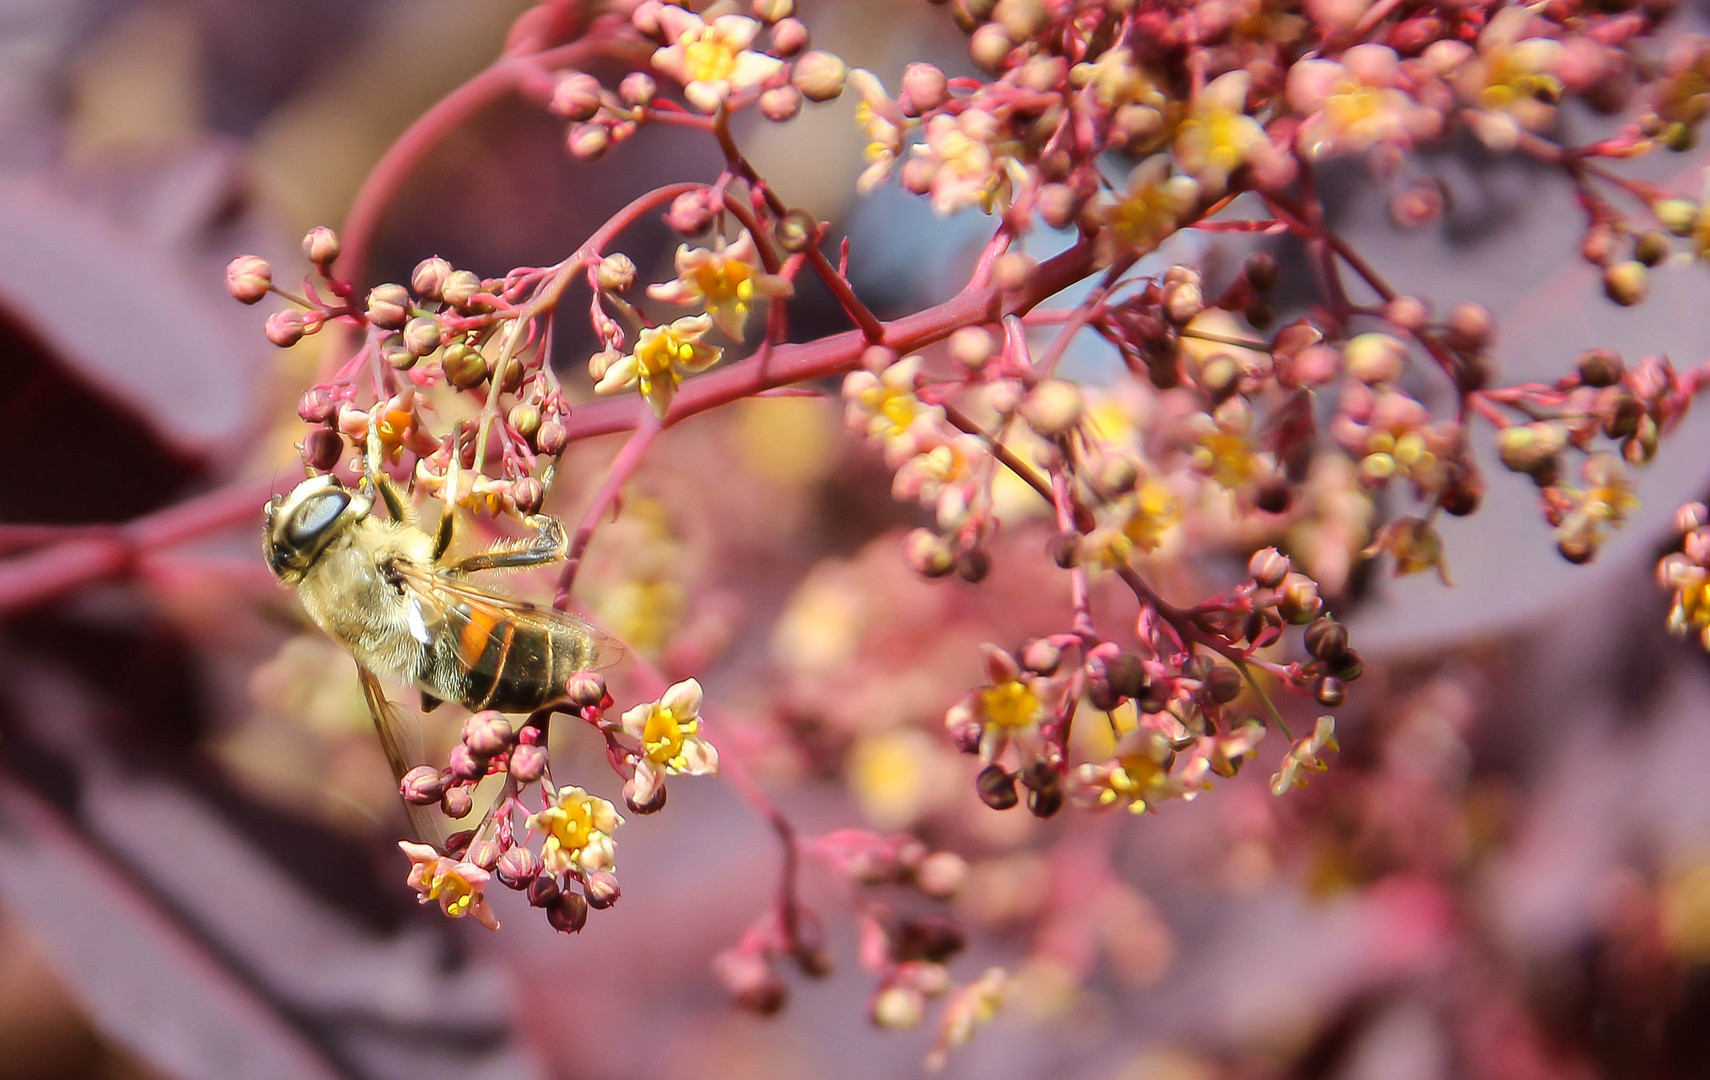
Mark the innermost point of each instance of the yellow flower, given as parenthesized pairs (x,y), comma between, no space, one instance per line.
(712,60)
(458,886)
(1010,704)
(726,281)
(668,731)
(578,829)
(1303,757)
(1510,80)
(662,356)
(1153,207)
(1217,136)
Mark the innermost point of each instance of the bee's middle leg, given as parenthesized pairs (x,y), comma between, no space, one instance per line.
(548,546)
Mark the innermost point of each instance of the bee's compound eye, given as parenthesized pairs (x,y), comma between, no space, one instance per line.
(314,517)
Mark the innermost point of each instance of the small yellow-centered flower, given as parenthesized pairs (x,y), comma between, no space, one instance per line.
(668,730)
(662,356)
(578,829)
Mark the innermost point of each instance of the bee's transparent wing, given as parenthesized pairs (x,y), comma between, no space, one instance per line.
(474,615)
(402,744)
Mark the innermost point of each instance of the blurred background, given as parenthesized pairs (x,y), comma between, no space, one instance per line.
(1505,874)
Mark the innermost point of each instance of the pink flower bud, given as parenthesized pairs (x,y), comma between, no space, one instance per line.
(422,786)
(321,246)
(456,802)
(528,763)
(487,733)
(248,278)
(389,306)
(780,103)
(322,447)
(316,405)
(924,88)
(551,438)
(576,96)
(517,868)
(285,328)
(428,278)
(586,689)
(465,764)
(587,142)
(789,37)
(601,889)
(819,75)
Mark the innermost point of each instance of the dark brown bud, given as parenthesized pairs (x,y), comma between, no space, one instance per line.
(1470,326)
(1064,549)
(1298,600)
(1263,270)
(456,802)
(973,565)
(1578,550)
(996,787)
(1327,639)
(322,447)
(1330,691)
(1045,802)
(1039,773)
(458,842)
(389,306)
(567,913)
(1274,496)
(1463,491)
(1223,684)
(1651,248)
(1126,674)
(933,938)
(1621,411)
(1350,667)
(1601,367)
(543,890)
(422,786)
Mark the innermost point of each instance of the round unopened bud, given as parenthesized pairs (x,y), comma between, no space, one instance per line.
(1044,802)
(528,493)
(1374,358)
(1263,271)
(1626,283)
(248,277)
(690,213)
(527,763)
(797,231)
(898,1007)
(780,103)
(918,174)
(524,418)
(877,358)
(1274,495)
(464,368)
(1054,407)
(395,355)
(389,306)
(322,447)
(1013,270)
(551,438)
(941,874)
(1183,302)
(1298,600)
(487,733)
(1470,326)
(421,336)
(1528,448)
(637,89)
(789,37)
(971,346)
(932,938)
(316,405)
(996,787)
(924,88)
(1330,691)
(1678,216)
(751,982)
(1060,204)
(567,913)
(543,890)
(989,48)
(928,554)
(517,868)
(1691,517)
(601,889)
(510,377)
(770,11)
(1601,367)
(1407,313)
(422,786)
(585,689)
(576,96)
(285,328)
(320,246)
(485,854)
(1223,684)
(457,802)
(1021,19)
(616,273)
(1650,248)
(458,842)
(428,278)
(1327,639)
(466,764)
(1269,567)
(973,565)
(601,362)
(819,75)
(587,142)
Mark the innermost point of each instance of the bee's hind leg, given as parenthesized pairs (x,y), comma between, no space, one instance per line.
(548,546)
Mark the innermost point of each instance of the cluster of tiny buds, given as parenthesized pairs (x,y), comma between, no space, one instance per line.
(447,327)
(564,860)
(903,947)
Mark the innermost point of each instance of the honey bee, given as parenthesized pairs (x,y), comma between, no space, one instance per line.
(383,590)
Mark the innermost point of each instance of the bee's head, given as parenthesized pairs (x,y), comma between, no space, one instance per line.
(300,525)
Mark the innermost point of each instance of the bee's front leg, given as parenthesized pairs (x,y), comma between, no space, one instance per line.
(549,545)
